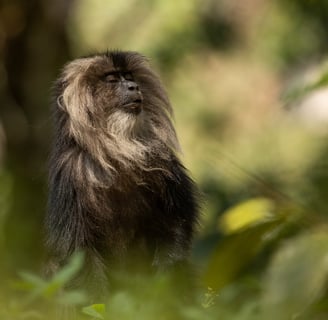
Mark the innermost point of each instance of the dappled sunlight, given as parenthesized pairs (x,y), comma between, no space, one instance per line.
(130,25)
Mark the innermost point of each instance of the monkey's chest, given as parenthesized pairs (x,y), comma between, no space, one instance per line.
(136,221)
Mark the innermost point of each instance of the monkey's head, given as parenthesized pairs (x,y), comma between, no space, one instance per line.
(114,102)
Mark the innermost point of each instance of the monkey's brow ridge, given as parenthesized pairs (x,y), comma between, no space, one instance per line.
(117,71)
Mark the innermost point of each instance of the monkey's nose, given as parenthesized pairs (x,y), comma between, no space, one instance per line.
(132,86)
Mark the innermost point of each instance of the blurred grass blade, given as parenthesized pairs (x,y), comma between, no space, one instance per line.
(64,275)
(72,298)
(31,279)
(38,287)
(69,271)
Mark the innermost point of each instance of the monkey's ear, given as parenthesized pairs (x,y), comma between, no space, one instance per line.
(60,103)
(57,92)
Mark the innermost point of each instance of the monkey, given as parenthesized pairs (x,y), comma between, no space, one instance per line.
(117,188)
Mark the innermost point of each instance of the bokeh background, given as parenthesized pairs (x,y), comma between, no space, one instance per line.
(247,80)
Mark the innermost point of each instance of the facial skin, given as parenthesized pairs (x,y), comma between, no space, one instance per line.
(126,90)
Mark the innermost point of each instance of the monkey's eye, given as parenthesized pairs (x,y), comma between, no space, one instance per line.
(128,76)
(112,78)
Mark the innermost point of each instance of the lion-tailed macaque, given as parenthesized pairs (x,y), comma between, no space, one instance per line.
(118,190)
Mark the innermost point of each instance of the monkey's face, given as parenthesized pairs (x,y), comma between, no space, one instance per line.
(115,93)
(117,98)
(125,91)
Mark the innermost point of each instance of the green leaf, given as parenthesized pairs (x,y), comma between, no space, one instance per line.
(246,214)
(96,311)
(299,91)
(236,251)
(297,276)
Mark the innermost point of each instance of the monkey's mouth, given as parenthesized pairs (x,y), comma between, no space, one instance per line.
(134,106)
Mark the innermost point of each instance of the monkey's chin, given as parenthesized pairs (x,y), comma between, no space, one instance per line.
(133,108)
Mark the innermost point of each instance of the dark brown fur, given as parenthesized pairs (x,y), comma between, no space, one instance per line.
(117,188)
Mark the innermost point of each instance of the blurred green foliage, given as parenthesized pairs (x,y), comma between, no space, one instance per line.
(248,82)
